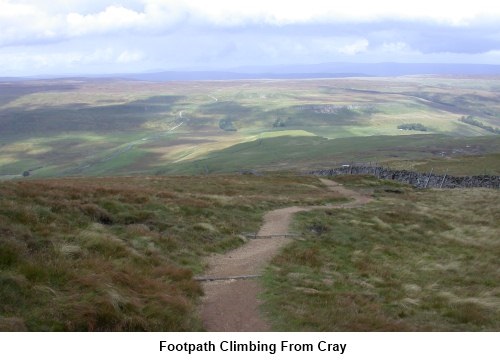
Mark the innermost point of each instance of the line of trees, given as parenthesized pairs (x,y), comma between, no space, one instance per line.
(473,122)
(413,127)
(226,124)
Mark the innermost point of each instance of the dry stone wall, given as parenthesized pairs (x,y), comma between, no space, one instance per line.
(417,179)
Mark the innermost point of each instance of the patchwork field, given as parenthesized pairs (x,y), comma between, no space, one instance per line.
(111,126)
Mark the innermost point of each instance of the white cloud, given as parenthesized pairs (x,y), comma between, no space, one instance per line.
(35,22)
(67,18)
(113,18)
(128,56)
(230,12)
(354,48)
(394,47)
(24,22)
(67,61)
(32,21)
(153,18)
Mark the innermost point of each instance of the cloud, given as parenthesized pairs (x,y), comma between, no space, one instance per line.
(155,17)
(26,20)
(282,12)
(24,23)
(70,61)
(101,35)
(113,18)
(355,48)
(128,56)
(435,38)
(33,23)
(395,47)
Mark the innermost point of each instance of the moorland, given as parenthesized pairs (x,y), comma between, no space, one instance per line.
(92,127)
(112,193)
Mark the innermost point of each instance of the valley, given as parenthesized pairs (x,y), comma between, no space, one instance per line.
(91,127)
(116,195)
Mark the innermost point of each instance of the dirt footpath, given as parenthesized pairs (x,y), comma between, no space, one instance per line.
(231,304)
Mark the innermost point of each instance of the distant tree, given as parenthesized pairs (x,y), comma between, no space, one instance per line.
(226,124)
(473,122)
(26,173)
(413,127)
(280,122)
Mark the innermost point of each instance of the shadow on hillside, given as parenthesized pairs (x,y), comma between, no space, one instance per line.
(84,117)
(10,91)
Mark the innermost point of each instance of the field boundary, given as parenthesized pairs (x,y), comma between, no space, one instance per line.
(417,179)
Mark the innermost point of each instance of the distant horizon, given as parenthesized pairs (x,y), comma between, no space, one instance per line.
(294,71)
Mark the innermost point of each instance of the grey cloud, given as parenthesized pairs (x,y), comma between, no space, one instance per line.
(422,36)
(141,18)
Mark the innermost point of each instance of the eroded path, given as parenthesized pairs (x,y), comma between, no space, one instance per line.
(231,304)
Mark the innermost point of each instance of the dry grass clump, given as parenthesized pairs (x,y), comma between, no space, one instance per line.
(118,254)
(409,261)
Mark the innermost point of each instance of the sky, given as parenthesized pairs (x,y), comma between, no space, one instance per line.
(39,37)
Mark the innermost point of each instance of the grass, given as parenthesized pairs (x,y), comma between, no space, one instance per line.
(488,164)
(307,152)
(409,261)
(118,254)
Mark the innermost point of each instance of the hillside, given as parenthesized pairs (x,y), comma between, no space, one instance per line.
(113,192)
(65,127)
(411,260)
(118,254)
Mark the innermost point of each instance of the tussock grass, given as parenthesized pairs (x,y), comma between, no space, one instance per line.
(409,261)
(488,164)
(118,254)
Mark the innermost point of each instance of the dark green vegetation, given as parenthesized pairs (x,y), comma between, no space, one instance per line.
(118,254)
(411,260)
(473,122)
(226,124)
(413,127)
(102,127)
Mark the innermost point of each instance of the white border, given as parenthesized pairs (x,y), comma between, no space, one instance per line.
(123,347)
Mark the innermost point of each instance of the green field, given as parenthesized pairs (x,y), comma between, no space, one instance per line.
(421,152)
(102,127)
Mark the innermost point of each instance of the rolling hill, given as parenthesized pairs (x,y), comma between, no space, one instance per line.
(77,126)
